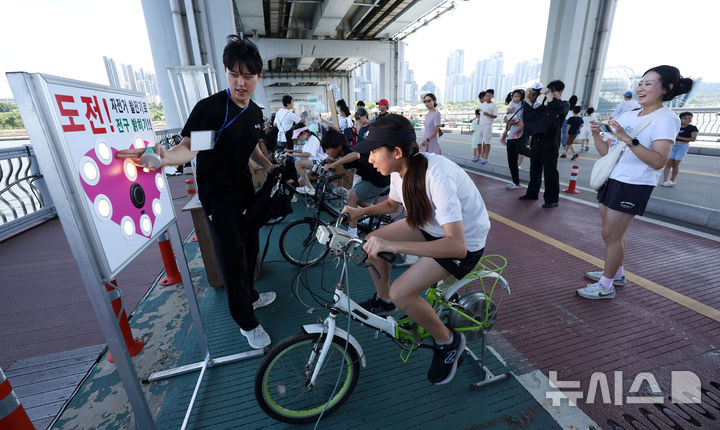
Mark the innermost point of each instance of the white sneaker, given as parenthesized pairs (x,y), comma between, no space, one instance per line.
(257,337)
(265,299)
(305,190)
(668,183)
(596,291)
(512,186)
(293,199)
(519,167)
(595,276)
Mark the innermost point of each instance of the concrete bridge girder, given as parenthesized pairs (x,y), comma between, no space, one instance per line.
(387,54)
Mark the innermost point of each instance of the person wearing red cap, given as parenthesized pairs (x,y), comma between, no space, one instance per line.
(383,105)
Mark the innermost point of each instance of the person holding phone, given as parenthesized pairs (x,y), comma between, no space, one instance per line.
(632,180)
(544,124)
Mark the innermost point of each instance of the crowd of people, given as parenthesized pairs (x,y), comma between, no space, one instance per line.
(447,221)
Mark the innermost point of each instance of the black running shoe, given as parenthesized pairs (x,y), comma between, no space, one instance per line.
(378,306)
(445,360)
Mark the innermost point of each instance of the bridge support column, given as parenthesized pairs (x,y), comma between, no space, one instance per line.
(576,43)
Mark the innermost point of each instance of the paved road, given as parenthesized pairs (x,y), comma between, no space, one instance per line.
(698,180)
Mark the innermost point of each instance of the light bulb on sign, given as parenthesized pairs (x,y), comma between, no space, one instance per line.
(139,143)
(128,227)
(130,170)
(160,182)
(157,207)
(103,152)
(145,225)
(103,207)
(89,171)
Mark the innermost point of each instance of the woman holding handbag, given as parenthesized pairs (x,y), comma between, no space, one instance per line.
(649,134)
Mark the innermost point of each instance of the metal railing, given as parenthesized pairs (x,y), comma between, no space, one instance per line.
(22,204)
(707,120)
(24,200)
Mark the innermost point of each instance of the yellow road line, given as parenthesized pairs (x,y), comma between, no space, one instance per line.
(649,285)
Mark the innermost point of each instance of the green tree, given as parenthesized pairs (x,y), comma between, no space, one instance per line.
(10,120)
(7,107)
(157,114)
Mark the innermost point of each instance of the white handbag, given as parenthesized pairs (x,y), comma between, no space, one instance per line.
(603,167)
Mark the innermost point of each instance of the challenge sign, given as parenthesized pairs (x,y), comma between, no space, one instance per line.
(120,208)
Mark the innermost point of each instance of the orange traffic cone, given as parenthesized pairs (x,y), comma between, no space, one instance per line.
(12,414)
(190,187)
(573,180)
(172,274)
(134,345)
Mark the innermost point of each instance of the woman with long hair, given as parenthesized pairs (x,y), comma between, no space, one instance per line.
(432,125)
(517,144)
(632,180)
(446,226)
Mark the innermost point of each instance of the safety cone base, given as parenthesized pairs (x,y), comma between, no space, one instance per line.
(573,191)
(133,349)
(169,280)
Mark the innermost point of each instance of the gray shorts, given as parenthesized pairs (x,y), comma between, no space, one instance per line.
(367,192)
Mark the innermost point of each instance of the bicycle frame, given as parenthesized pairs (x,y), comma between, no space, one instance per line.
(437,296)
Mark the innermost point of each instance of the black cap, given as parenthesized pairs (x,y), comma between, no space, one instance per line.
(377,137)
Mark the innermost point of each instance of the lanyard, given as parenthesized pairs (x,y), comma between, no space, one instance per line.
(226,124)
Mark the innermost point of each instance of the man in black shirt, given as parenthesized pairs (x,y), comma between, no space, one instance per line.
(224,181)
(372,183)
(543,123)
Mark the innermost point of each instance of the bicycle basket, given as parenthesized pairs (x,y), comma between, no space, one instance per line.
(473,304)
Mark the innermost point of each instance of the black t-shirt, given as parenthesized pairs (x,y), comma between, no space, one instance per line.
(223,172)
(574,122)
(687,132)
(366,170)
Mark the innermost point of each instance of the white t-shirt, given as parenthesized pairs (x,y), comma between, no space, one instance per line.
(344,123)
(284,120)
(629,168)
(491,108)
(453,197)
(624,106)
(312,146)
(516,115)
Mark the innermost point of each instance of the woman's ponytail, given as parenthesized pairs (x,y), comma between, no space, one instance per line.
(415,196)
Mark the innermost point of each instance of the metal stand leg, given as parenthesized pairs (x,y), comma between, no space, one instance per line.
(488,377)
(208,361)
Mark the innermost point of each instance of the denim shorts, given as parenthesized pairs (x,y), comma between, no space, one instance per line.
(458,267)
(368,192)
(679,150)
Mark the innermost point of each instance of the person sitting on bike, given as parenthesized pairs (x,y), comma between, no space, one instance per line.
(368,183)
(310,153)
(446,225)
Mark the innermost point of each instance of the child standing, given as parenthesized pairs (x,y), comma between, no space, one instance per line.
(584,136)
(474,125)
(575,122)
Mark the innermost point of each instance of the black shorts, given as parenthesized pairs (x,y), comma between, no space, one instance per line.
(458,267)
(628,198)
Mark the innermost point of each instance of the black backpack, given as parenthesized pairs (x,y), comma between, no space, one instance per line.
(270,202)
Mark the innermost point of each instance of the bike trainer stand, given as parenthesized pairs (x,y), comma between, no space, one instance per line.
(488,377)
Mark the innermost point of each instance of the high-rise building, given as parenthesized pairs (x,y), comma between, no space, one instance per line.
(366,77)
(111,70)
(526,72)
(409,84)
(140,80)
(429,87)
(453,75)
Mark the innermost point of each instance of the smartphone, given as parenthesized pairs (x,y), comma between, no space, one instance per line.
(605,128)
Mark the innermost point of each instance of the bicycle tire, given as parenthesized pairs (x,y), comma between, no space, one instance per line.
(298,244)
(280,381)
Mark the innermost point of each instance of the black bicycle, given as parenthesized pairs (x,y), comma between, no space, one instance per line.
(298,244)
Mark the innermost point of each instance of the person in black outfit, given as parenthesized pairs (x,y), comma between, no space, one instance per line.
(372,184)
(544,123)
(224,181)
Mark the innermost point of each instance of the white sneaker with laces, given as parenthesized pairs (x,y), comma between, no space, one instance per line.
(512,186)
(257,337)
(595,292)
(668,184)
(264,299)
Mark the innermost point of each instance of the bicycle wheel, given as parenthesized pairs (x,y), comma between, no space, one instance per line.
(281,380)
(298,243)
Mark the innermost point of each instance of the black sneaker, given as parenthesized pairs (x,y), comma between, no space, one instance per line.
(445,360)
(378,306)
